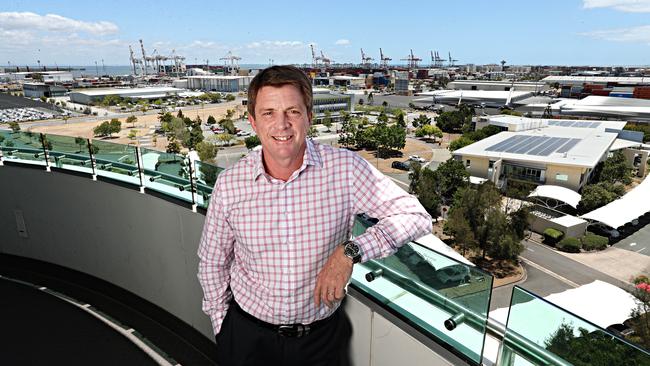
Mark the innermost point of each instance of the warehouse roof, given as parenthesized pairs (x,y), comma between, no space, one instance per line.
(127,91)
(597,79)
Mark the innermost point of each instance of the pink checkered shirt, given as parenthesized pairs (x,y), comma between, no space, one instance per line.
(268,239)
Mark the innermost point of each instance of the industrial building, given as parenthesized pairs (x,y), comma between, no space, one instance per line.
(556,152)
(497,85)
(226,84)
(603,80)
(96,95)
(491,98)
(48,76)
(332,103)
(594,106)
(37,90)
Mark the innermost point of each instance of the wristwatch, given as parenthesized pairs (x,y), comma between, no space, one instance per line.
(352,251)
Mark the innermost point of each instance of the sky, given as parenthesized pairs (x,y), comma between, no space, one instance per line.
(548,32)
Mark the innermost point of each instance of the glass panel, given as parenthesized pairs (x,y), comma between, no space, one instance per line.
(21,146)
(432,291)
(541,333)
(69,152)
(206,175)
(116,161)
(166,173)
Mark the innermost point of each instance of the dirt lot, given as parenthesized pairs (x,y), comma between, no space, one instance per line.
(145,125)
(413,147)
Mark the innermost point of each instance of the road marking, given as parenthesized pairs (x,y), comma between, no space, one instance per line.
(632,244)
(549,272)
(532,250)
(640,250)
(399,182)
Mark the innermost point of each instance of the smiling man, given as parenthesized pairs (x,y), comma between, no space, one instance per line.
(275,254)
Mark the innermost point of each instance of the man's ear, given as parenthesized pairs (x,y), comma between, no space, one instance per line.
(251,120)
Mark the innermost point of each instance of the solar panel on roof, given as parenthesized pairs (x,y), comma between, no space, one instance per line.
(524,142)
(529,145)
(497,146)
(568,146)
(542,146)
(553,145)
(542,143)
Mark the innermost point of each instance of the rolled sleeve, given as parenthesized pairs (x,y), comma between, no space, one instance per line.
(401,216)
(215,258)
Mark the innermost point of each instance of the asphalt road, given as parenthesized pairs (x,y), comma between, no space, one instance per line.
(638,241)
(549,272)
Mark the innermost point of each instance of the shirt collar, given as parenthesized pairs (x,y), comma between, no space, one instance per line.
(311,157)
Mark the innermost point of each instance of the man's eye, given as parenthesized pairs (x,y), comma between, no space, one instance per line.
(294,111)
(266,113)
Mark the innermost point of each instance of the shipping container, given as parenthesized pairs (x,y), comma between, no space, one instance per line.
(621,95)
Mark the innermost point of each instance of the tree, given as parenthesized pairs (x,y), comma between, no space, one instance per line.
(230,97)
(211,120)
(459,143)
(133,134)
(399,119)
(371,99)
(15,127)
(615,169)
(207,151)
(454,121)
(228,125)
(132,120)
(580,347)
(2,139)
(414,177)
(429,198)
(349,127)
(421,120)
(103,129)
(428,130)
(81,142)
(252,141)
(598,195)
(225,138)
(313,132)
(180,114)
(173,148)
(384,104)
(452,176)
(115,126)
(640,316)
(165,117)
(327,120)
(47,144)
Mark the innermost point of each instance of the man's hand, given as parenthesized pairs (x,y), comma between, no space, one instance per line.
(332,278)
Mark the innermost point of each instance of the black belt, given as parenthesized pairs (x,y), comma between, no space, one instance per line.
(286,330)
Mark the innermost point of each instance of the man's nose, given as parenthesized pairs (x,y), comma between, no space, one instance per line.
(283,121)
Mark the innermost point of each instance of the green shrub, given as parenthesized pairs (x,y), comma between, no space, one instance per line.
(552,236)
(592,241)
(570,245)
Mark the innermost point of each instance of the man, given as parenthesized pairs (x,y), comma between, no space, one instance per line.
(274,255)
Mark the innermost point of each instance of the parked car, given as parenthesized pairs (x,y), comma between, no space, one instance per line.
(402,165)
(243,133)
(217,129)
(456,273)
(417,158)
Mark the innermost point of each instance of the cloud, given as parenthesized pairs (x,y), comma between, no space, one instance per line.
(275,44)
(629,6)
(342,42)
(53,23)
(639,34)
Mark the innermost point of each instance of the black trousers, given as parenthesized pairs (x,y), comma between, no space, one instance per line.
(243,342)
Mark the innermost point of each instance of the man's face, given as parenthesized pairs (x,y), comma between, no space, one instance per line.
(281,122)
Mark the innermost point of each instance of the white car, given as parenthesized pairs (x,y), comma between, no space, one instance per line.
(243,133)
(416,158)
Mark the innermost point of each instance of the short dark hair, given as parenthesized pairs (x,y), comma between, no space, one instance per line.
(278,76)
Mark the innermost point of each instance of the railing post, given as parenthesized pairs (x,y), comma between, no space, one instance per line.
(192,183)
(47,158)
(92,158)
(138,158)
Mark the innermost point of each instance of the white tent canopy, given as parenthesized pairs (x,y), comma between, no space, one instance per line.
(625,209)
(562,194)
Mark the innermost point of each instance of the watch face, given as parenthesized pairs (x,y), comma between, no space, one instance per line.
(351,250)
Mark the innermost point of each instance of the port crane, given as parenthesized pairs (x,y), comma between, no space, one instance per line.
(451,60)
(365,59)
(234,62)
(319,60)
(412,60)
(436,59)
(383,59)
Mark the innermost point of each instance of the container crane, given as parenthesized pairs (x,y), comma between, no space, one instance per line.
(451,60)
(234,62)
(383,59)
(144,59)
(365,59)
(412,60)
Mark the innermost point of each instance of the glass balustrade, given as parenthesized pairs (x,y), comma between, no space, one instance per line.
(444,297)
(167,173)
(24,147)
(541,333)
(115,161)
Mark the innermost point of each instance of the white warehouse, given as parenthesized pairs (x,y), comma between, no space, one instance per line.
(219,83)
